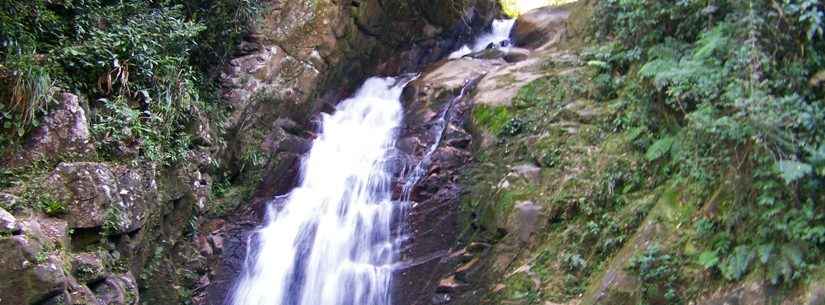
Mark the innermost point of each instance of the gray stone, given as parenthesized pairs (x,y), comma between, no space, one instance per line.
(8,201)
(88,189)
(8,224)
(64,131)
(75,294)
(527,218)
(88,267)
(54,230)
(528,171)
(29,274)
(98,196)
(118,290)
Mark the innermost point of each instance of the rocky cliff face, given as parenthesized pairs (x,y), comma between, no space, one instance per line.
(82,230)
(531,196)
(554,205)
(299,61)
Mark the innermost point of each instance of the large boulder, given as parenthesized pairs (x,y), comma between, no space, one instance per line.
(97,196)
(64,131)
(118,289)
(8,223)
(87,267)
(75,294)
(30,273)
(87,189)
(540,27)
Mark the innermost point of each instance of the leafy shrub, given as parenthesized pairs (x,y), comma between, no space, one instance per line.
(659,274)
(52,206)
(154,61)
(513,127)
(491,118)
(29,90)
(728,87)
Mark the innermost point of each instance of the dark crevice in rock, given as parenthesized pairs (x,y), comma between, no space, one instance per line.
(82,238)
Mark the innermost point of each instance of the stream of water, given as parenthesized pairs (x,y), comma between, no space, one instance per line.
(331,241)
(499,32)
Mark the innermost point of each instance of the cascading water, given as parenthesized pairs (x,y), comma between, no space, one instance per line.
(500,31)
(331,241)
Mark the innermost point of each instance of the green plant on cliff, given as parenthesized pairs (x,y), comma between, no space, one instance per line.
(156,58)
(727,91)
(51,206)
(659,274)
(27,93)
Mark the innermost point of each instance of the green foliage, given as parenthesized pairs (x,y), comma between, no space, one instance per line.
(51,206)
(736,264)
(149,63)
(708,259)
(25,96)
(793,170)
(715,88)
(659,274)
(659,148)
(491,118)
(513,127)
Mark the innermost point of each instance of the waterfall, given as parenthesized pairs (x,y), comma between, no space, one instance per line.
(331,241)
(499,32)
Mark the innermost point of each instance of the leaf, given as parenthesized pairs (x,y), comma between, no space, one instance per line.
(765,252)
(793,253)
(659,148)
(793,170)
(598,64)
(736,265)
(708,259)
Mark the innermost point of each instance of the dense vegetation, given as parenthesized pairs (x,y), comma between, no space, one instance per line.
(687,149)
(729,90)
(147,68)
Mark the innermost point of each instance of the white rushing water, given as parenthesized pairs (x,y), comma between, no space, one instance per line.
(331,241)
(500,31)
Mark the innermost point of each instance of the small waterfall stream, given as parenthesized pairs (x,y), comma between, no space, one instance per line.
(499,32)
(330,242)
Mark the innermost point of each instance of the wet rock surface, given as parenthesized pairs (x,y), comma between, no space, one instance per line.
(289,74)
(437,105)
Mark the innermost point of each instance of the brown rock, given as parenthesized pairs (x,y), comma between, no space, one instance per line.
(540,27)
(88,267)
(118,290)
(448,285)
(29,274)
(516,55)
